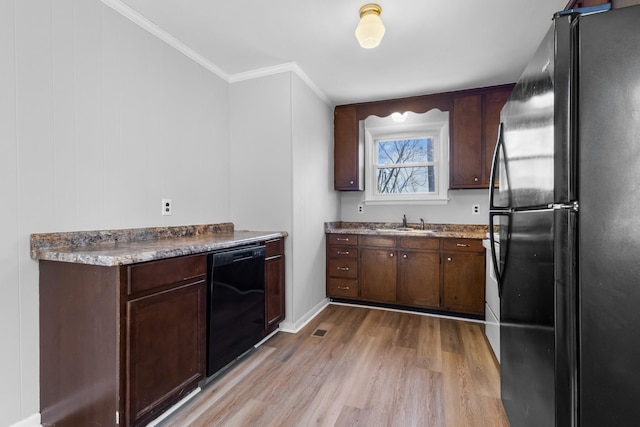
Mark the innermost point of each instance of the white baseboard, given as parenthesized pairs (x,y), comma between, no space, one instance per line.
(409,311)
(295,327)
(32,421)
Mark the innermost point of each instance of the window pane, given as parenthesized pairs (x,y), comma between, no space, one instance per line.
(405,151)
(406,180)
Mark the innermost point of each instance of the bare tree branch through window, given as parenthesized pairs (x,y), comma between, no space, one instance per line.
(406,166)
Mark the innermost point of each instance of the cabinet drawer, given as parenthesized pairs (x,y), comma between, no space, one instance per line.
(419,243)
(342,239)
(342,252)
(342,288)
(468,245)
(274,247)
(378,241)
(347,268)
(155,274)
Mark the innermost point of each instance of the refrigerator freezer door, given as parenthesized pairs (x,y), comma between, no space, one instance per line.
(526,160)
(527,320)
(609,218)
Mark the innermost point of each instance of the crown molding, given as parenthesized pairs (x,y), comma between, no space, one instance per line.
(152,28)
(277,69)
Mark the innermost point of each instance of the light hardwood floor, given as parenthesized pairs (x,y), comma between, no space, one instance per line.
(371,368)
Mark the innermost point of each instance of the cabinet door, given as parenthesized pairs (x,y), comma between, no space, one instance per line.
(466,142)
(378,269)
(419,279)
(165,349)
(346,150)
(494,101)
(274,308)
(274,275)
(463,282)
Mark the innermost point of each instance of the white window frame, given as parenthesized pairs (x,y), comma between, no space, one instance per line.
(438,132)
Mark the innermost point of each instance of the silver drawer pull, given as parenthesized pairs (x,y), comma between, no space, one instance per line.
(449,259)
(405,256)
(343,288)
(391,255)
(461,245)
(343,268)
(343,253)
(342,239)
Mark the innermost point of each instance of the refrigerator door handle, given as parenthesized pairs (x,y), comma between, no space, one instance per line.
(503,249)
(494,168)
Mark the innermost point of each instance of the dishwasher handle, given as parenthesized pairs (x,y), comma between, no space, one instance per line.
(238,255)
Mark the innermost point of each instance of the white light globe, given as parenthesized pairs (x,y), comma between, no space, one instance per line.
(370,31)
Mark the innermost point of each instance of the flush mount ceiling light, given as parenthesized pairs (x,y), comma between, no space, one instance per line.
(370,28)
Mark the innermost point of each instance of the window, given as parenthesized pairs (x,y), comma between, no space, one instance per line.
(405,165)
(407,162)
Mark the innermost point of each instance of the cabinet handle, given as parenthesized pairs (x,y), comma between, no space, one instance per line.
(405,256)
(476,179)
(343,253)
(449,259)
(343,288)
(461,245)
(351,182)
(391,255)
(343,268)
(342,239)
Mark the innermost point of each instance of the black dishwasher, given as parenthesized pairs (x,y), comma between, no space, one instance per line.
(235,304)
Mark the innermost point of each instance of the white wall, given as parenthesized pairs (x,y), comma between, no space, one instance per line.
(281,148)
(261,158)
(314,199)
(98,121)
(457,211)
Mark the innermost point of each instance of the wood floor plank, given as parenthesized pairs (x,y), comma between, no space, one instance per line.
(429,348)
(370,368)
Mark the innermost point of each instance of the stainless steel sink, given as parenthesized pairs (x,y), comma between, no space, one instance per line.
(405,229)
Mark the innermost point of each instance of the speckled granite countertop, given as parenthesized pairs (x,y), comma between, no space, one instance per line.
(120,247)
(464,231)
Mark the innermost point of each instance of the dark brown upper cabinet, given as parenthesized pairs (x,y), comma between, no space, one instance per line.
(348,159)
(474,119)
(474,131)
(348,146)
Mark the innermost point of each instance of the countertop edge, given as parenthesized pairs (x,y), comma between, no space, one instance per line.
(124,253)
(458,231)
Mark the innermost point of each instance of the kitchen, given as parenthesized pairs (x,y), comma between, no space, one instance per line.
(104,120)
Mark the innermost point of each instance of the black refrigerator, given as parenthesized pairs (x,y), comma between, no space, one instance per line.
(566,204)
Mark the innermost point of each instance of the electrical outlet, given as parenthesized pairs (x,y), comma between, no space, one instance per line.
(360,209)
(475,209)
(166,206)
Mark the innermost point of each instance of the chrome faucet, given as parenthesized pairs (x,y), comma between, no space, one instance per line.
(404,221)
(421,224)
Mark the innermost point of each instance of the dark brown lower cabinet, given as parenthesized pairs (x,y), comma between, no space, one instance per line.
(378,270)
(419,279)
(165,349)
(464,288)
(274,285)
(445,274)
(120,345)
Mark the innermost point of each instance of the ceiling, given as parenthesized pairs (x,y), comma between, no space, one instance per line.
(429,47)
